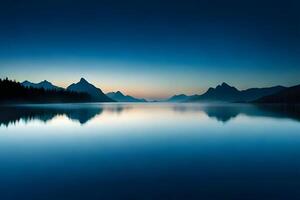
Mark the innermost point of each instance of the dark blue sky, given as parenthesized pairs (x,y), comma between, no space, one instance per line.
(152,48)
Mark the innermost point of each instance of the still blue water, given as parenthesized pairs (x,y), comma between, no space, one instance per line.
(149,151)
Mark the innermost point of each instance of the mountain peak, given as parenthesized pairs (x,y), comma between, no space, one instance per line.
(225,85)
(86,87)
(45,82)
(82,80)
(119,93)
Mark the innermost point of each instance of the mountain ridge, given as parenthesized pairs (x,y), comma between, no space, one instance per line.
(14,92)
(227,93)
(289,95)
(120,97)
(221,93)
(84,86)
(179,98)
(43,84)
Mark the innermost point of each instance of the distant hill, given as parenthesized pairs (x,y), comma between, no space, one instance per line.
(120,97)
(179,98)
(94,92)
(44,84)
(227,93)
(15,92)
(289,95)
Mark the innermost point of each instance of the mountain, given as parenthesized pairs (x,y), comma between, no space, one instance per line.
(222,92)
(44,84)
(14,92)
(94,92)
(289,95)
(179,98)
(120,97)
(256,93)
(227,93)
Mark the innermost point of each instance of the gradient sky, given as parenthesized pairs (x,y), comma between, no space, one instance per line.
(152,49)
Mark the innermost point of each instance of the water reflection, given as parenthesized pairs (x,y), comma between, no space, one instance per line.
(227,112)
(83,113)
(149,151)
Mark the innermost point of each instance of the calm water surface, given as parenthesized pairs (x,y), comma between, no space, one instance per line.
(149,151)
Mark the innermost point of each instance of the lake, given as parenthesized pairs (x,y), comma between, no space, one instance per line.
(149,151)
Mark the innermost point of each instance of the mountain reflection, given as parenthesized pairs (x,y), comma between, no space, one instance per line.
(227,112)
(83,113)
(80,113)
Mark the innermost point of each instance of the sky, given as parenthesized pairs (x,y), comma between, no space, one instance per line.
(152,49)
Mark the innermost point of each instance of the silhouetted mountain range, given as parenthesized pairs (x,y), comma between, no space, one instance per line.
(227,93)
(44,84)
(14,92)
(81,86)
(94,92)
(289,95)
(83,91)
(120,97)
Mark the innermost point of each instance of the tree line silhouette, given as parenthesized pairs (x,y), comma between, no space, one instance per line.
(14,92)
